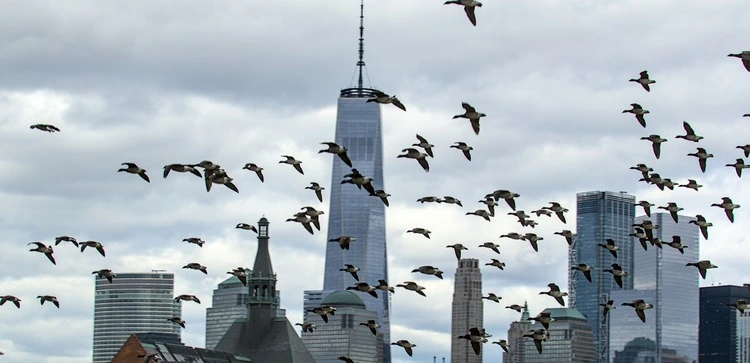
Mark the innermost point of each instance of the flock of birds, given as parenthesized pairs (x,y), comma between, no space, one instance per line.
(212,173)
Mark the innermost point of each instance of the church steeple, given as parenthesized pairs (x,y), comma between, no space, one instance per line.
(262,281)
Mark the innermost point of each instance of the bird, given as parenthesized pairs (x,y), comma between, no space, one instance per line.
(181,168)
(507,196)
(356,178)
(46,250)
(351,269)
(334,148)
(585,269)
(150,358)
(195,241)
(610,246)
(343,241)
(323,311)
(738,165)
(346,359)
(648,227)
(492,297)
(555,292)
(503,344)
(544,319)
(691,184)
(50,298)
(383,285)
(676,243)
(429,199)
(538,335)
(257,169)
(567,234)
(606,307)
(318,190)
(451,200)
(293,162)
(66,239)
(703,266)
(384,99)
(421,157)
(314,215)
(419,230)
(745,149)
(491,246)
(185,297)
(469,7)
(429,270)
(496,263)
(646,207)
(424,144)
(105,273)
(457,248)
(656,142)
(728,206)
(406,345)
(638,111)
(460,145)
(740,305)
(247,227)
(45,127)
(177,320)
(672,208)
(701,222)
(5,298)
(480,213)
(643,169)
(644,81)
(702,156)
(222,178)
(689,133)
(533,239)
(196,266)
(476,339)
(240,273)
(559,210)
(541,211)
(412,286)
(640,306)
(134,169)
(372,325)
(471,114)
(364,287)
(307,327)
(641,236)
(515,307)
(744,56)
(617,273)
(382,195)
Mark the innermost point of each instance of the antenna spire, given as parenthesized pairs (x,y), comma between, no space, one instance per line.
(361,62)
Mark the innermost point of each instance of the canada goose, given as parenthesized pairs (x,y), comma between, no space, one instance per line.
(457,248)
(691,184)
(346,359)
(512,235)
(676,243)
(672,208)
(689,133)
(181,168)
(492,297)
(343,241)
(469,7)
(643,169)
(451,200)
(195,241)
(323,311)
(46,250)
(639,306)
(45,127)
(472,115)
(460,145)
(656,142)
(314,214)
(240,273)
(429,199)
(738,165)
(480,213)
(585,269)
(424,144)
(257,169)
(544,319)
(646,207)
(521,215)
(475,338)
(515,307)
(351,269)
(507,196)
(655,242)
(293,162)
(701,222)
(555,292)
(382,195)
(644,81)
(356,178)
(559,210)
(744,56)
(496,263)
(703,266)
(617,273)
(334,148)
(307,327)
(196,266)
(105,273)
(49,298)
(503,344)
(745,149)
(412,286)
(5,298)
(364,287)
(638,111)
(648,227)
(66,239)
(610,246)
(416,154)
(247,227)
(177,320)
(384,99)
(304,220)
(528,223)
(134,169)
(538,335)
(185,297)
(429,270)
(542,211)
(740,305)
(702,156)
(318,190)
(419,230)
(533,239)
(383,285)
(606,307)
(728,206)
(406,345)
(568,236)
(641,236)
(491,246)
(222,178)
(372,325)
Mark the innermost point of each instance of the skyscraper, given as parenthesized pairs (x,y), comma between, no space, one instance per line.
(515,339)
(467,310)
(601,216)
(632,340)
(229,303)
(724,332)
(132,303)
(569,341)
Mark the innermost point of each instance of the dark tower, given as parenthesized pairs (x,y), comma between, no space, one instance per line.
(263,302)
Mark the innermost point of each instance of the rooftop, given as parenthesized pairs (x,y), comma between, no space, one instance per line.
(565,314)
(343,297)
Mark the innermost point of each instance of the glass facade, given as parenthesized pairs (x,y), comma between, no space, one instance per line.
(355,213)
(468,310)
(515,339)
(132,303)
(570,340)
(229,304)
(724,335)
(601,215)
(630,339)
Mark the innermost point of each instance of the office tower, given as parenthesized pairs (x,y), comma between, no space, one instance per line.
(342,335)
(229,303)
(353,212)
(724,332)
(132,303)
(601,216)
(570,340)
(630,339)
(263,335)
(515,338)
(467,309)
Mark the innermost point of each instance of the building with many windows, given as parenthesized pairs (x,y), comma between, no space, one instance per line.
(229,303)
(132,303)
(724,332)
(467,310)
(570,340)
(516,353)
(630,339)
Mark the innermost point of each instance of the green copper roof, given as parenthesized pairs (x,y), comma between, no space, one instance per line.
(565,313)
(342,297)
(232,280)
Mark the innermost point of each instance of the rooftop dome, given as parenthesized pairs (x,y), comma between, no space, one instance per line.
(565,314)
(343,297)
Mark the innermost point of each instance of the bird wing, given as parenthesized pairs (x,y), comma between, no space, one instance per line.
(260,175)
(232,187)
(49,256)
(472,18)
(476,347)
(587,274)
(641,314)
(130,165)
(308,227)
(354,274)
(560,300)
(688,129)
(467,107)
(657,149)
(38,244)
(167,169)
(745,63)
(538,344)
(730,215)
(467,154)
(319,193)
(101,250)
(535,247)
(561,216)
(475,125)
(345,159)
(641,119)
(702,164)
(422,139)
(618,280)
(398,103)
(408,351)
(702,272)
(423,162)
(299,168)
(644,74)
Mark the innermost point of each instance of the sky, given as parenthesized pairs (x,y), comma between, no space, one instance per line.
(182,81)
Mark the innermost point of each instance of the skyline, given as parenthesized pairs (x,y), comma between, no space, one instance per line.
(125,85)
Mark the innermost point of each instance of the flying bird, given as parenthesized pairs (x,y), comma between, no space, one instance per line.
(538,335)
(240,273)
(491,246)
(303,219)
(46,250)
(533,239)
(481,213)
(185,297)
(382,195)
(701,222)
(463,147)
(196,266)
(457,248)
(585,269)
(247,227)
(66,239)
(421,157)
(472,115)
(738,165)
(177,320)
(45,127)
(93,244)
(559,210)
(105,273)
(503,344)
(412,286)
(745,149)
(429,270)
(617,273)
(343,241)
(610,246)
(689,133)
(429,199)
(134,169)
(334,148)
(352,270)
(475,338)
(195,241)
(181,168)
(293,162)
(640,307)
(307,327)
(314,215)
(606,307)
(318,190)
(451,200)
(676,243)
(567,234)
(507,196)
(384,99)
(702,156)
(639,113)
(691,184)
(469,7)
(555,292)
(492,297)
(257,169)
(419,230)
(5,298)
(646,207)
(496,263)
(728,206)
(703,266)
(372,325)
(364,287)
(406,345)
(672,208)
(740,305)
(644,81)
(744,56)
(424,144)
(515,307)
(656,142)
(323,311)
(50,298)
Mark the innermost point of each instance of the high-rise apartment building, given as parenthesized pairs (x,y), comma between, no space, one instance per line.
(601,216)
(468,309)
(569,341)
(132,303)
(724,332)
(229,303)
(515,338)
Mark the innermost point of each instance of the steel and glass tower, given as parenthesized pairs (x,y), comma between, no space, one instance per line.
(468,309)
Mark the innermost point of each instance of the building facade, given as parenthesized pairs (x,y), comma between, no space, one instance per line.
(630,339)
(467,311)
(570,340)
(600,216)
(724,332)
(229,303)
(132,303)
(516,353)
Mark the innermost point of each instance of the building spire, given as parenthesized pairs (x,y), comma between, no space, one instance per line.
(361,62)
(525,311)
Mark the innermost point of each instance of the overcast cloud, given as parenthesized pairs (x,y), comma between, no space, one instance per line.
(180,81)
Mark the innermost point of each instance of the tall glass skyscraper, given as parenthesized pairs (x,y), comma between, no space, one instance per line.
(467,311)
(724,332)
(132,303)
(601,216)
(229,304)
(630,339)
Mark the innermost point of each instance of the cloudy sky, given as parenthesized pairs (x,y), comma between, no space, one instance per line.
(182,81)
